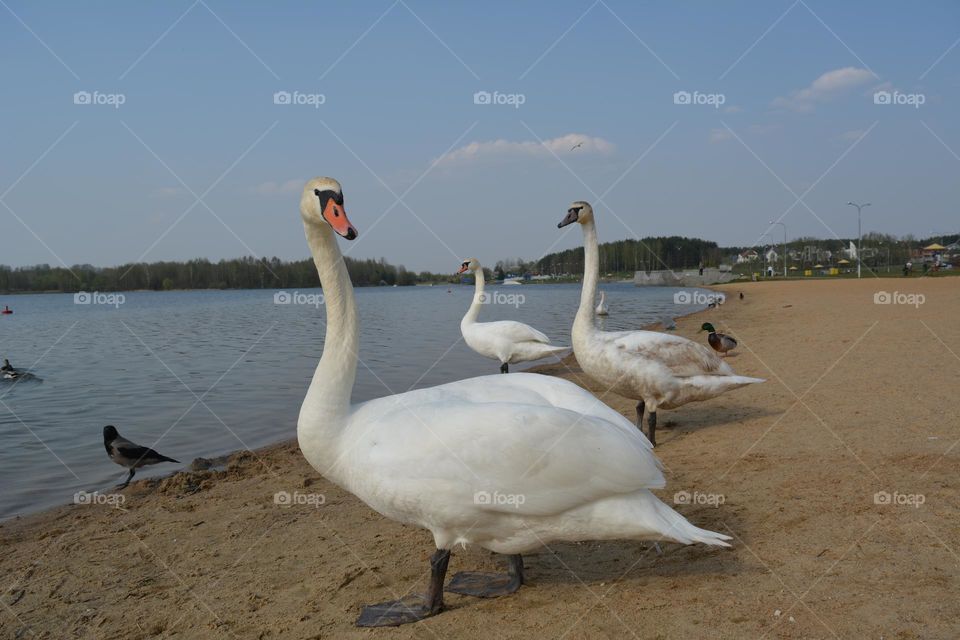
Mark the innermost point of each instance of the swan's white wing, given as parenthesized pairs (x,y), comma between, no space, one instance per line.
(512,331)
(682,357)
(544,444)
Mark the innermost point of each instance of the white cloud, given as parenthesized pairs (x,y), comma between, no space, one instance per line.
(279,188)
(570,144)
(825,88)
(719,135)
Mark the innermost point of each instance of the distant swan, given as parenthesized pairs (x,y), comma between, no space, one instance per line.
(658,369)
(602,309)
(509,463)
(508,341)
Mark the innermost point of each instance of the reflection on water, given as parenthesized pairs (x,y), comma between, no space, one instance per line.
(203,373)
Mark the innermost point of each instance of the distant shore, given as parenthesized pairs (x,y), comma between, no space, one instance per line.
(816,469)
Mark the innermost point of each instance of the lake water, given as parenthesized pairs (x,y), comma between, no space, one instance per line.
(143,365)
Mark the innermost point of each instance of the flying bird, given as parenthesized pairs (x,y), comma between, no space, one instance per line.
(576,146)
(128,454)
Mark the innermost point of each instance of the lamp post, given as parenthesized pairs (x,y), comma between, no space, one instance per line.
(859,232)
(772,222)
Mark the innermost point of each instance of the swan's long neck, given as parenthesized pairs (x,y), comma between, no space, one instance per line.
(327,403)
(583,323)
(474,311)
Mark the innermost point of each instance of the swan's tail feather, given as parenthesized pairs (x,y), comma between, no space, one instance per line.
(678,529)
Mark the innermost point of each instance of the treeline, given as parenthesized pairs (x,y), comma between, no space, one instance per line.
(646,254)
(676,252)
(238,273)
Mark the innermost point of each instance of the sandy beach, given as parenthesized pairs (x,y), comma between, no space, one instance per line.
(837,479)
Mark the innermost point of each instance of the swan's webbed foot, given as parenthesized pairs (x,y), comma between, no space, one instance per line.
(396,612)
(489,585)
(504,368)
(412,608)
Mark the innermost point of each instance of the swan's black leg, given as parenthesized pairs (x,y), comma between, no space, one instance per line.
(129,478)
(504,368)
(489,585)
(652,427)
(411,608)
(640,407)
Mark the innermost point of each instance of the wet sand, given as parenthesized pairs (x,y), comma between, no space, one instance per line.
(837,479)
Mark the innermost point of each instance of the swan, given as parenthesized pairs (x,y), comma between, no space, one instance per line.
(602,309)
(508,341)
(509,463)
(657,369)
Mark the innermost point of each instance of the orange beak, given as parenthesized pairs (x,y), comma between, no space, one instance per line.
(336,217)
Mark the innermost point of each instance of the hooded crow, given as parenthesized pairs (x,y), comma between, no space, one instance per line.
(128,454)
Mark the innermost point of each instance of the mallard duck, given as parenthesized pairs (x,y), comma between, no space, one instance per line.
(720,342)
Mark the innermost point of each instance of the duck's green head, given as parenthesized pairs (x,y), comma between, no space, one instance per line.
(706,326)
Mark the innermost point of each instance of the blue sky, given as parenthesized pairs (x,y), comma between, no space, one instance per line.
(797,118)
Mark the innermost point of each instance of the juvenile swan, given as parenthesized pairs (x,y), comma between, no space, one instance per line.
(659,370)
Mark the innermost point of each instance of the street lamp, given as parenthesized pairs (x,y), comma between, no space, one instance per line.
(772,222)
(859,232)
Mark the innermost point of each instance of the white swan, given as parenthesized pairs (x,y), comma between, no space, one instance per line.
(508,341)
(602,309)
(508,463)
(659,370)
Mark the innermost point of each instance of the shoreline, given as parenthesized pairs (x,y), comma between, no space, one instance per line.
(211,553)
